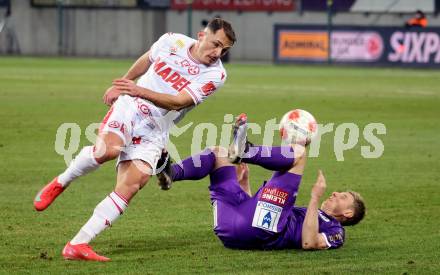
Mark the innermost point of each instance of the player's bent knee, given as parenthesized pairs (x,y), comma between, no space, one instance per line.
(134,188)
(129,188)
(140,183)
(108,146)
(214,149)
(105,154)
(141,169)
(143,179)
(219,152)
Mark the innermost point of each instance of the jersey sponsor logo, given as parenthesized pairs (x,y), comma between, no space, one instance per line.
(177,81)
(114,124)
(208,88)
(274,195)
(267,216)
(415,47)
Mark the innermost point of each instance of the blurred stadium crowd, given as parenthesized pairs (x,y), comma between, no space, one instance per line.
(389,32)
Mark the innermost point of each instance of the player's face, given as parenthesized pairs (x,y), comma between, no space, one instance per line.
(339,204)
(212,46)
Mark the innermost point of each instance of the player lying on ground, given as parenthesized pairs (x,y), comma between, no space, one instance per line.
(177,73)
(268,219)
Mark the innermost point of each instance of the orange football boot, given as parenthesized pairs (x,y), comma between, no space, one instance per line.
(48,194)
(82,252)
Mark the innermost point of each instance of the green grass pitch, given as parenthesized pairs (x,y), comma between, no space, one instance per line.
(171,232)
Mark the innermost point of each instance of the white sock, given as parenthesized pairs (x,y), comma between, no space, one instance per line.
(83,163)
(106,212)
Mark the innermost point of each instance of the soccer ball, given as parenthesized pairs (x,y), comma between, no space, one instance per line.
(298,127)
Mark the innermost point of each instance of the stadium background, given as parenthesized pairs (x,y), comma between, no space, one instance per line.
(127,28)
(46,81)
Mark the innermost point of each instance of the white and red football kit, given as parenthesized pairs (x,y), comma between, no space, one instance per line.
(139,122)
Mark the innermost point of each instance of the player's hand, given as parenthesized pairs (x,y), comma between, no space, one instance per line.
(243,171)
(319,188)
(127,85)
(111,95)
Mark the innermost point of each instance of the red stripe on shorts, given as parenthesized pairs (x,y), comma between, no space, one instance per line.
(104,121)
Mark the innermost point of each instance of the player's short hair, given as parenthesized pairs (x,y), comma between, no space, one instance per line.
(217,24)
(358,208)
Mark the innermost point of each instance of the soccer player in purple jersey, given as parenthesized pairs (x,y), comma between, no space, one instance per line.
(268,219)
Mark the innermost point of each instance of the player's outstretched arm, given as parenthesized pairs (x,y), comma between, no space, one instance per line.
(243,177)
(139,67)
(166,101)
(311,239)
(299,164)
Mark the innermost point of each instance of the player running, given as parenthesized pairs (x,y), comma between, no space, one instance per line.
(177,73)
(268,219)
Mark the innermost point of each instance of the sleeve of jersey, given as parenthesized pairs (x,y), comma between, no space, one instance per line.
(334,237)
(205,85)
(160,43)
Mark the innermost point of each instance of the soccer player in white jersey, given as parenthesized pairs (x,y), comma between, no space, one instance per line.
(177,73)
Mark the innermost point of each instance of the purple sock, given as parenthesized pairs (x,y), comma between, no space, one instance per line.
(275,158)
(195,167)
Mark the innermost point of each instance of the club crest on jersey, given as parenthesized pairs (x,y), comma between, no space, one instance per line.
(193,70)
(267,220)
(267,216)
(144,109)
(114,124)
(177,81)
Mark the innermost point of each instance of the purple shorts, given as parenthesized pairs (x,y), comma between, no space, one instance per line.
(245,222)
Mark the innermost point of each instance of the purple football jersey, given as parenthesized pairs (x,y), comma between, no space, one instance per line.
(267,220)
(329,227)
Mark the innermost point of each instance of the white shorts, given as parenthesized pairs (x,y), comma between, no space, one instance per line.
(132,120)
